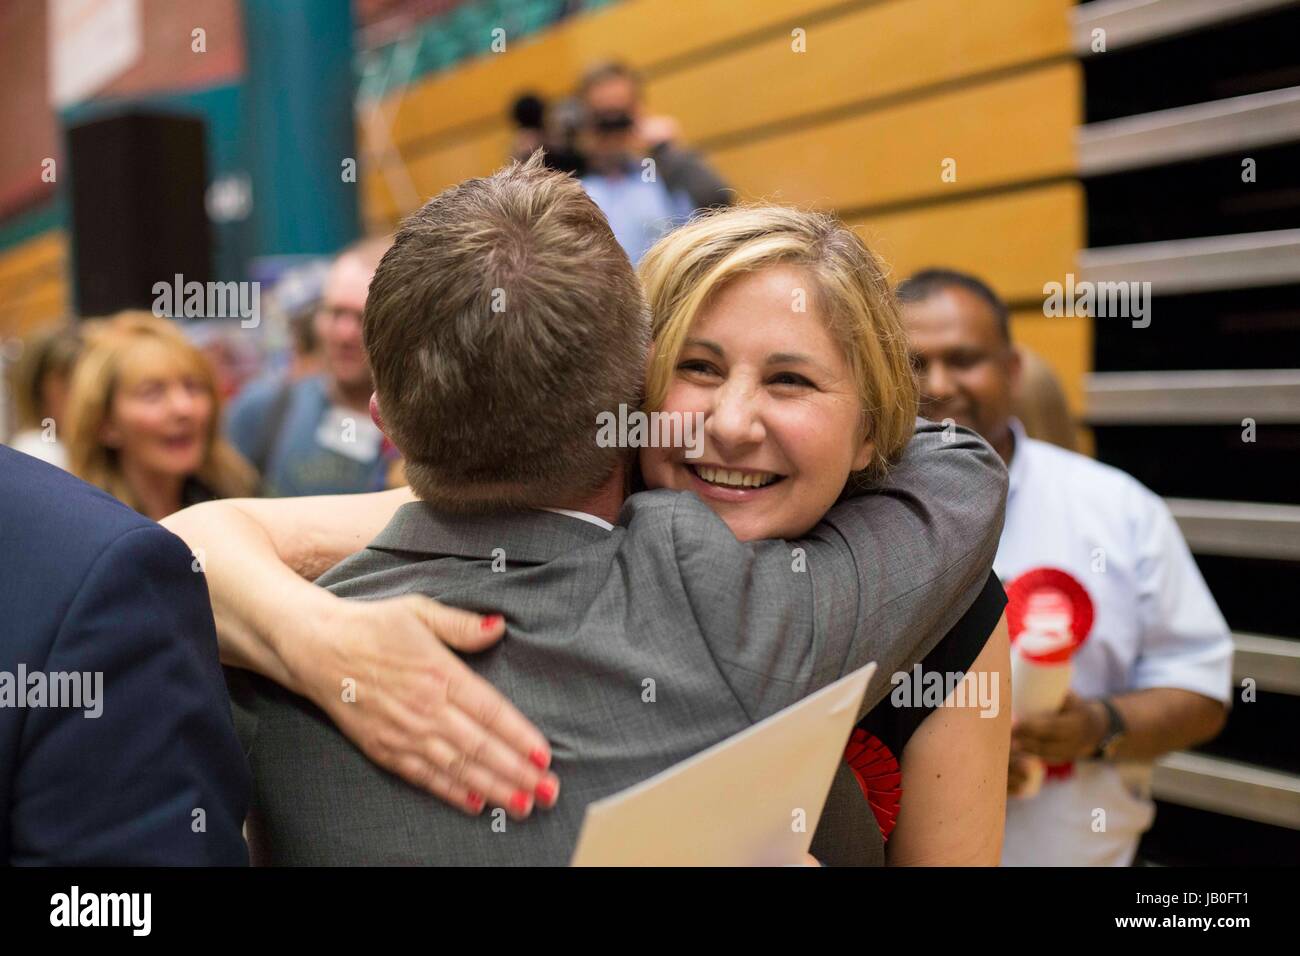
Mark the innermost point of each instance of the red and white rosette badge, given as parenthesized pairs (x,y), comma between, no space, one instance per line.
(1049,616)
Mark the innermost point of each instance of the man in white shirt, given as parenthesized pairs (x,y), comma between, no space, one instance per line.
(1154,671)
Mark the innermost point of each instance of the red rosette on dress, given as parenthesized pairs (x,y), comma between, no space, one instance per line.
(878,774)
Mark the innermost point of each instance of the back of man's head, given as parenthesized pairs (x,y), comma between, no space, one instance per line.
(503,320)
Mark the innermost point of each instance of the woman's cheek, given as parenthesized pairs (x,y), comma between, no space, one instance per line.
(132,419)
(649,467)
(656,470)
(203,409)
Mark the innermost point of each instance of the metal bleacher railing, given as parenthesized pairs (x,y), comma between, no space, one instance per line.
(1189,398)
(463,31)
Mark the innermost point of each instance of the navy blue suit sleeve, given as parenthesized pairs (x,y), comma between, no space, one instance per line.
(158,777)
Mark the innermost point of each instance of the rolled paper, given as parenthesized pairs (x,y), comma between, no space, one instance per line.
(1049,615)
(1036,688)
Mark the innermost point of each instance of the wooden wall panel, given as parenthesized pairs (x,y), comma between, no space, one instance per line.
(1014,241)
(1002,132)
(34,288)
(877,51)
(640,32)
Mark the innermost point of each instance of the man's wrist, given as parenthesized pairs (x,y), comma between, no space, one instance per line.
(1111,728)
(1097,723)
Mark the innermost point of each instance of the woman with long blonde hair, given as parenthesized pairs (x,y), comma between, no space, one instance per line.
(143,419)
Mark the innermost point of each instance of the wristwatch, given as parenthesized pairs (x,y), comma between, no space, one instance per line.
(1115,731)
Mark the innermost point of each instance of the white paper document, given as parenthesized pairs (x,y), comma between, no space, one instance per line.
(751,800)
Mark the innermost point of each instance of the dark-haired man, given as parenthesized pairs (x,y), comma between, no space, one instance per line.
(1154,670)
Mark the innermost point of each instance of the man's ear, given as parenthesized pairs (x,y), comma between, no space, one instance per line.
(375,416)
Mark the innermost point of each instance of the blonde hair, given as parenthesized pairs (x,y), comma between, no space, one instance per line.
(52,353)
(685,268)
(110,345)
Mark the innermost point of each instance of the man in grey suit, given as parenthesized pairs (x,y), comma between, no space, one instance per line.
(632,645)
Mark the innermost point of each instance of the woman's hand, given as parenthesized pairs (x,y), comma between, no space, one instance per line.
(380,670)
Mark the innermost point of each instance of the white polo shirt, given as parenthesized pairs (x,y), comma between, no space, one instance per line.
(1154,625)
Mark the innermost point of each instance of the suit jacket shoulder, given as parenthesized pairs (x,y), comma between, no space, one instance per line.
(135,761)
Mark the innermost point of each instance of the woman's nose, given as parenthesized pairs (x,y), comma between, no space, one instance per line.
(734,420)
(182,402)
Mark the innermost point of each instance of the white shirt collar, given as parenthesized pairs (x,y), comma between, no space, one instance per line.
(582,516)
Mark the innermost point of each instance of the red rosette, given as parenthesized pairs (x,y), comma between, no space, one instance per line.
(1053,591)
(877,771)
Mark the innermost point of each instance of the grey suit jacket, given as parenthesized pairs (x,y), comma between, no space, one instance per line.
(633,649)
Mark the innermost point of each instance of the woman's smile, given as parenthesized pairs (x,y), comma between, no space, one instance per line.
(722,483)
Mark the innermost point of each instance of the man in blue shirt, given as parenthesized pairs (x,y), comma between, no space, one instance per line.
(314,436)
(643,183)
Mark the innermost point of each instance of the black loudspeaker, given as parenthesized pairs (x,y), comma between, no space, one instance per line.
(138,215)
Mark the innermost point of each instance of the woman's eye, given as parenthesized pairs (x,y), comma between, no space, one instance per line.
(791,378)
(696,365)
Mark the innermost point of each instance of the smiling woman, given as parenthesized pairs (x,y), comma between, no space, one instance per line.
(143,413)
(777,327)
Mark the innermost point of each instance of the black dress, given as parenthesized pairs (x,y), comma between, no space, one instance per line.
(877,743)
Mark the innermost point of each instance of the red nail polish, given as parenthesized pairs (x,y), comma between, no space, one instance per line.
(476,801)
(545,792)
(490,621)
(540,758)
(519,802)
